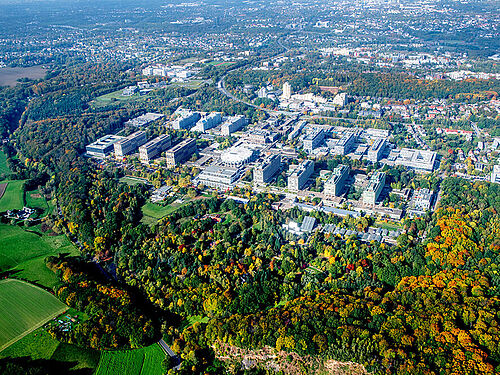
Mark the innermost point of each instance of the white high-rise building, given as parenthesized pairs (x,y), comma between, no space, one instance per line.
(287,90)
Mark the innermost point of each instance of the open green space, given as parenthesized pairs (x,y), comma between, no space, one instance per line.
(23,308)
(133,181)
(39,344)
(13,198)
(144,361)
(388,226)
(24,252)
(34,199)
(4,167)
(115,96)
(152,212)
(191,84)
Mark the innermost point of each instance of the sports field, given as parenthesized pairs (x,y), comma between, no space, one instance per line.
(13,198)
(25,251)
(24,308)
(144,361)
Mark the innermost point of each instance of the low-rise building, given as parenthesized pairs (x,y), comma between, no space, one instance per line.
(312,140)
(144,120)
(129,144)
(239,155)
(154,148)
(374,188)
(265,171)
(103,146)
(181,152)
(336,183)
(419,160)
(420,202)
(218,177)
(233,124)
(299,176)
(376,150)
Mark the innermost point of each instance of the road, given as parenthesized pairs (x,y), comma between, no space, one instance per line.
(171,353)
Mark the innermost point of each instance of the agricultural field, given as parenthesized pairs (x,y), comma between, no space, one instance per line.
(23,252)
(144,361)
(34,199)
(24,308)
(13,198)
(39,344)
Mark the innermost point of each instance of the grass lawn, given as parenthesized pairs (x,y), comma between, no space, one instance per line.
(115,97)
(40,345)
(144,361)
(24,308)
(34,199)
(388,226)
(13,198)
(153,212)
(191,84)
(133,181)
(25,253)
(4,168)
(190,320)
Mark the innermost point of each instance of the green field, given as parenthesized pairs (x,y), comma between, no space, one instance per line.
(153,212)
(39,344)
(24,253)
(34,199)
(144,361)
(133,181)
(13,198)
(24,308)
(192,84)
(4,168)
(115,97)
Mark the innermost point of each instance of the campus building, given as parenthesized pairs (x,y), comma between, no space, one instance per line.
(154,148)
(265,171)
(233,124)
(345,144)
(420,202)
(208,122)
(374,188)
(186,121)
(312,140)
(376,150)
(103,146)
(336,183)
(419,160)
(218,177)
(129,144)
(300,175)
(144,120)
(495,174)
(181,152)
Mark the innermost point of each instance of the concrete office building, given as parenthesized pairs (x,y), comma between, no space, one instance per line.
(233,124)
(374,188)
(154,148)
(186,121)
(103,146)
(376,150)
(300,175)
(296,130)
(264,172)
(181,152)
(336,183)
(415,159)
(287,91)
(495,174)
(312,140)
(208,122)
(129,144)
(144,120)
(345,144)
(420,202)
(239,155)
(218,177)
